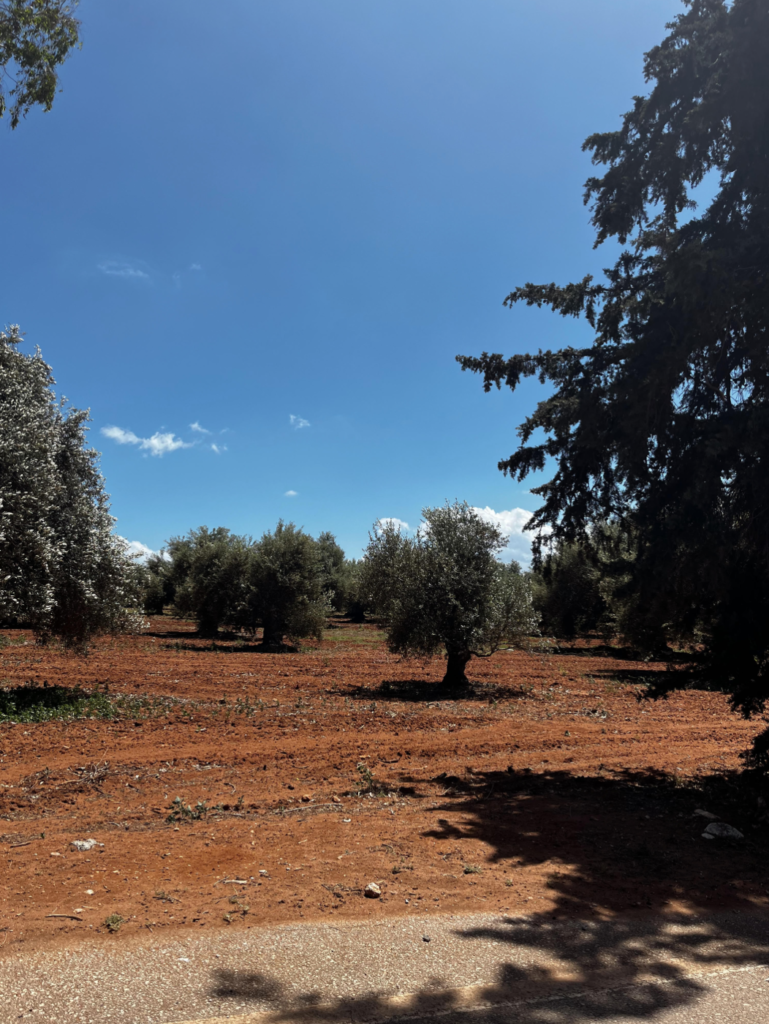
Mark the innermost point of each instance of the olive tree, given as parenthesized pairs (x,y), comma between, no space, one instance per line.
(158,589)
(63,571)
(333,568)
(287,586)
(445,590)
(209,576)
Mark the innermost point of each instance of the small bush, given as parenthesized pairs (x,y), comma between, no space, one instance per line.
(113,922)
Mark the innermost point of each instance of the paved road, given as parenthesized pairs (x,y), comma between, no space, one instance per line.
(475,969)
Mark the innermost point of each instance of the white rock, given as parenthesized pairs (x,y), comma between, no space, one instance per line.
(720,830)
(706,814)
(373,891)
(84,845)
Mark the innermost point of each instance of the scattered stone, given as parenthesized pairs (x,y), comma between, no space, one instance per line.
(346,821)
(720,830)
(264,873)
(706,814)
(425,938)
(89,892)
(372,891)
(306,798)
(84,845)
(56,854)
(335,800)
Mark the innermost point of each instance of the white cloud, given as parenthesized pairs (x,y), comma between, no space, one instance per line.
(297,422)
(511,523)
(399,524)
(195,266)
(139,550)
(159,444)
(120,435)
(124,269)
(291,494)
(218,448)
(198,429)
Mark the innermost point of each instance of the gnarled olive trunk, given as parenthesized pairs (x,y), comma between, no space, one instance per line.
(455,678)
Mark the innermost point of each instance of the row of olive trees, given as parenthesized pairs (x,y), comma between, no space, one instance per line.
(286,583)
(442,591)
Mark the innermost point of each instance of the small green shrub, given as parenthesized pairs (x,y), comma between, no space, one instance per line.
(113,922)
(183,812)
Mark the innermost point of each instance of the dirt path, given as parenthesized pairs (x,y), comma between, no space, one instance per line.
(551,790)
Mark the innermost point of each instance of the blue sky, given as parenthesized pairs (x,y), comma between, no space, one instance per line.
(252,237)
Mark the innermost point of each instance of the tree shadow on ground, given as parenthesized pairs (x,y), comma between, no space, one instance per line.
(677,678)
(642,908)
(419,691)
(222,647)
(567,648)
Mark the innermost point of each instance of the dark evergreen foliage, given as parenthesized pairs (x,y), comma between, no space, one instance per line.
(662,424)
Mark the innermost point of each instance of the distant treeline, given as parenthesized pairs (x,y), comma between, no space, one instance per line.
(286,583)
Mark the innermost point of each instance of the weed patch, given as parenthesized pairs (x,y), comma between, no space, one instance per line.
(32,702)
(184,812)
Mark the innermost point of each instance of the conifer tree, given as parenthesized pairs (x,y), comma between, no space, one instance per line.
(661,425)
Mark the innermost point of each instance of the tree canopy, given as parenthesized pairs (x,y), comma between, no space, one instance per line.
(662,423)
(62,570)
(36,37)
(287,578)
(444,589)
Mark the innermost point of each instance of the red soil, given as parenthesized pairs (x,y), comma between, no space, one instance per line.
(564,791)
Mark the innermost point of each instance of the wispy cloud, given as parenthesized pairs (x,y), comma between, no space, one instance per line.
(123,268)
(198,429)
(393,521)
(195,266)
(297,422)
(159,444)
(291,494)
(218,448)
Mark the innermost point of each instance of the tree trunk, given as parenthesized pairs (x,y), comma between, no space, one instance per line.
(272,635)
(455,678)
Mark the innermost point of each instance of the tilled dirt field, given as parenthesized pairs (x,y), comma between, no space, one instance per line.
(303,777)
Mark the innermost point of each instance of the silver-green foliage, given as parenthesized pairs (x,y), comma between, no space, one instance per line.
(288,595)
(209,573)
(446,589)
(62,569)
